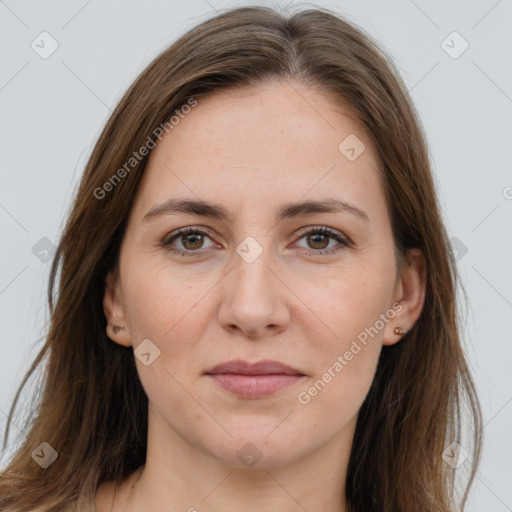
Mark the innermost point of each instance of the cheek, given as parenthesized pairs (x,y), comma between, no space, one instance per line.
(348,342)
(342,305)
(157,300)
(335,394)
(168,311)
(173,312)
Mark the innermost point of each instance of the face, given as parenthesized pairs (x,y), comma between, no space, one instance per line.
(258,277)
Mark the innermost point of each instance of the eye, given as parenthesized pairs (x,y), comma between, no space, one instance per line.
(192,239)
(318,240)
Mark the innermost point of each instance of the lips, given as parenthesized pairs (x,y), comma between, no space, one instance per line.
(239,367)
(254,380)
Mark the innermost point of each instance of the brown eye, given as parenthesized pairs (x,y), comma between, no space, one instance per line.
(318,240)
(192,240)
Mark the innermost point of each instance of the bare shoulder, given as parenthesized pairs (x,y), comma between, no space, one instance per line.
(111,497)
(105,499)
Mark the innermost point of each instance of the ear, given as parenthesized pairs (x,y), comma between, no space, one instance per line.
(113,307)
(409,293)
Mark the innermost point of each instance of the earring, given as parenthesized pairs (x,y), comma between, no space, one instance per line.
(399,330)
(117,328)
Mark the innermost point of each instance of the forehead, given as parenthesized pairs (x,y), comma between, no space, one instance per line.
(256,145)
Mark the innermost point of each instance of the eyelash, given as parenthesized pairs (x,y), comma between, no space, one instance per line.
(321,230)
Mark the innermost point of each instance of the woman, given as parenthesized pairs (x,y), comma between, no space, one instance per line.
(256,306)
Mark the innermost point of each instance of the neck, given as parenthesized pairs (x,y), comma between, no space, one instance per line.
(178,476)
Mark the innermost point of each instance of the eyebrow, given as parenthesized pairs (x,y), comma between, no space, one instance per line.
(286,211)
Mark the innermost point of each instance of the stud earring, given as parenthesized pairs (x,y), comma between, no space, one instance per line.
(117,328)
(399,330)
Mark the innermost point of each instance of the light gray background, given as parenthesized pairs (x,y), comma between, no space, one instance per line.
(53,109)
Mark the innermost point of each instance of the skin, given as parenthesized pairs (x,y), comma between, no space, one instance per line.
(251,150)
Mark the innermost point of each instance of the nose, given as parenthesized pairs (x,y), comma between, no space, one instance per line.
(254,299)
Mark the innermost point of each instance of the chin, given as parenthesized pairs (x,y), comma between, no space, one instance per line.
(257,448)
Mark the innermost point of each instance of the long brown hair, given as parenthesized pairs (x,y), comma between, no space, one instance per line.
(93,409)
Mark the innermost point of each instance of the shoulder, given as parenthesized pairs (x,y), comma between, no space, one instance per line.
(112,497)
(104,499)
